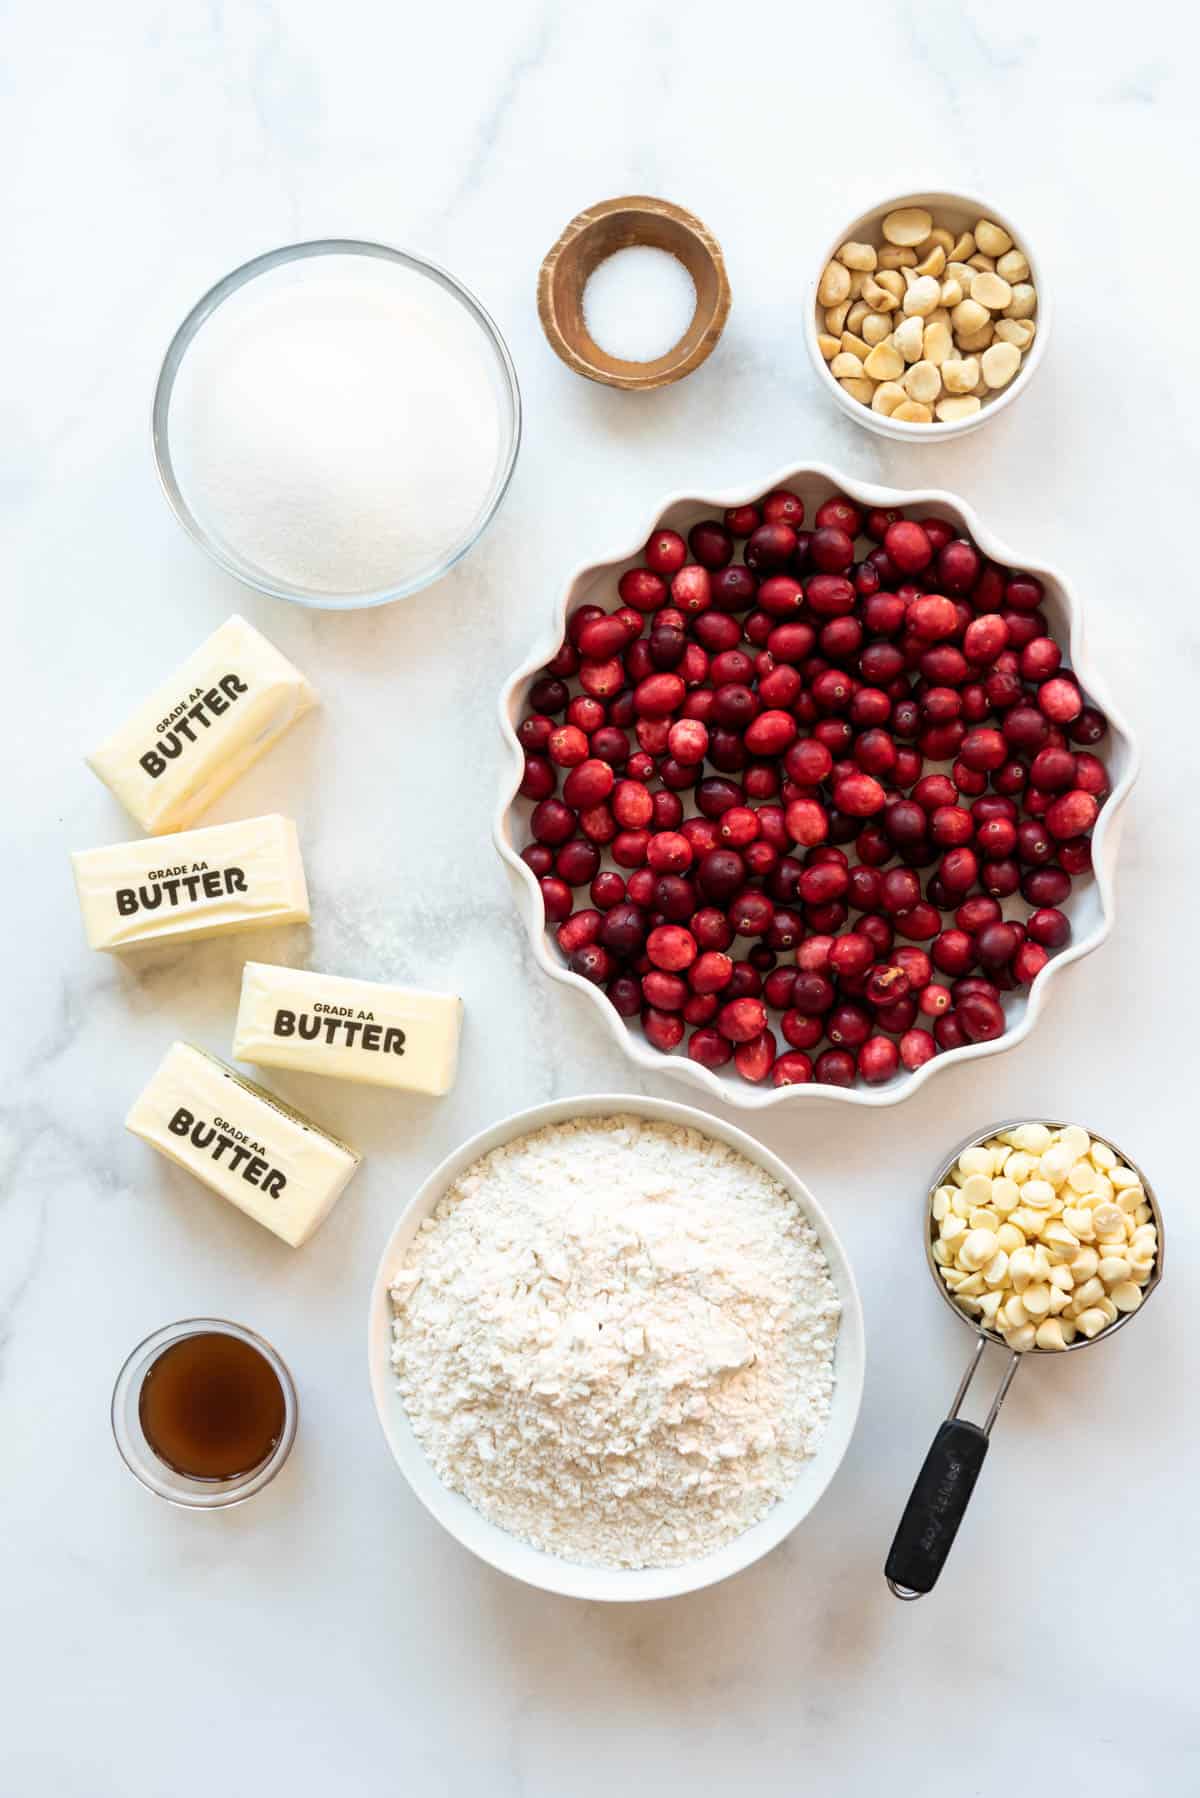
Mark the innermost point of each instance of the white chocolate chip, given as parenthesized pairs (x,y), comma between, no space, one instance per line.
(1126,1296)
(1050,1334)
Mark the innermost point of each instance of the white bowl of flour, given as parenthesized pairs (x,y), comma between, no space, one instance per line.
(677,1448)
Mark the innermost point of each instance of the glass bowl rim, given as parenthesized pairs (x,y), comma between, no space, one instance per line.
(188,330)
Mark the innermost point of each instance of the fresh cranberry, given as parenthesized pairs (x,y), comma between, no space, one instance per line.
(1023,592)
(782,506)
(831,550)
(751,913)
(671,948)
(908,546)
(836,1067)
(981,1018)
(1089,727)
(709,1048)
(1045,886)
(878,1060)
(711,543)
(664,1030)
(1072,814)
(859,795)
(770,548)
(792,1069)
(711,928)
(827,595)
(665,552)
(1060,700)
(1075,855)
(958,565)
(741,1020)
(919,922)
(1028,963)
(741,520)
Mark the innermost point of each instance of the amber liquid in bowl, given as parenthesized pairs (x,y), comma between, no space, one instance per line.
(211,1406)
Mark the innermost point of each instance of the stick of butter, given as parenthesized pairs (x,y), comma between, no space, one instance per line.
(273,1164)
(353,1029)
(202,883)
(202,727)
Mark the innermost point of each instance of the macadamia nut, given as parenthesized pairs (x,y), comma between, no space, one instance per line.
(1035,1278)
(927,325)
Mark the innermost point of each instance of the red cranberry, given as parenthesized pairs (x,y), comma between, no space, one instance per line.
(948,1032)
(1034,844)
(1072,814)
(770,548)
(720,875)
(932,617)
(1023,592)
(539,779)
(1000,878)
(981,1018)
(782,506)
(919,922)
(1060,700)
(581,928)
(666,992)
(665,647)
(593,962)
(996,838)
(1040,658)
(691,588)
(556,898)
(1028,963)
(1049,927)
(771,733)
(916,1048)
(831,550)
(1075,855)
(878,520)
(755,1059)
(958,566)
(577,862)
(1089,727)
(588,784)
(687,740)
(908,546)
(875,752)
(711,928)
(983,749)
(878,1060)
(860,795)
(950,826)
(968,780)
(792,1069)
(850,956)
(1024,728)
(552,822)
(807,821)
(741,1020)
(664,1029)
(1052,770)
(632,804)
(629,848)
(665,552)
(802,1030)
(836,1067)
(607,890)
(709,1048)
(1091,775)
(953,952)
(959,871)
(751,913)
(1045,886)
(741,520)
(886,982)
(714,796)
(711,543)
(642,589)
(934,1000)
(669,852)
(671,947)
(828,596)
(997,943)
(625,993)
(623,929)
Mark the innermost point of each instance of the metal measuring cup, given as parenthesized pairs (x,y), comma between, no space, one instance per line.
(947,1479)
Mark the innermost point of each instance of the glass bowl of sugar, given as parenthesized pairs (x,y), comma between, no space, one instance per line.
(336,423)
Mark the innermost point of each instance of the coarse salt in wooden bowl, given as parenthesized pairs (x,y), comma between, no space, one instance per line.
(591,237)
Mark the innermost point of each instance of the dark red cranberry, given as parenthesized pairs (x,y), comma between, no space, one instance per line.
(836,1067)
(770,548)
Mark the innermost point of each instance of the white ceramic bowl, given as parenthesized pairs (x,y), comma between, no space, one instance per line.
(1090,905)
(957,212)
(507,1552)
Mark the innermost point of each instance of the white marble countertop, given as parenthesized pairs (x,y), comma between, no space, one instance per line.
(327,1638)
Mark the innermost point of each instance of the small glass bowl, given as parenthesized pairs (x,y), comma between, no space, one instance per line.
(226,554)
(140,1458)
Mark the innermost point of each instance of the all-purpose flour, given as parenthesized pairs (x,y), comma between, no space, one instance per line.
(616,1338)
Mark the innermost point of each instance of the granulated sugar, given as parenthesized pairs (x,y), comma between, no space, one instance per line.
(616,1339)
(638,303)
(339,424)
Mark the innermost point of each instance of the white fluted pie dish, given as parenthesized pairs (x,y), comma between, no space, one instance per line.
(1089,905)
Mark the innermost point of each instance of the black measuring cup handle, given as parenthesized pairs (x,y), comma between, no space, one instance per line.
(935,1508)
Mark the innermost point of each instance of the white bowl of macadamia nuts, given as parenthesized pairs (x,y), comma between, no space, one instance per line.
(926,316)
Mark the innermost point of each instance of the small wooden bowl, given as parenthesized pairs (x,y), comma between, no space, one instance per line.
(588,240)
